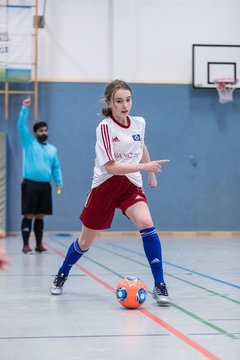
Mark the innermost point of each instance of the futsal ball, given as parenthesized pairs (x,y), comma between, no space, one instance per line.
(131,292)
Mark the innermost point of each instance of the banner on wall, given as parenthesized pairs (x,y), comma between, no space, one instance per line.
(16,43)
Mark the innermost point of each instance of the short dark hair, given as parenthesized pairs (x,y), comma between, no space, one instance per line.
(38,125)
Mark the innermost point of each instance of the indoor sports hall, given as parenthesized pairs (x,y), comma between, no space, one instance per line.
(181,59)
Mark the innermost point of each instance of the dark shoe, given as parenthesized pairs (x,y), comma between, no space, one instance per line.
(40,248)
(57,285)
(26,249)
(160,294)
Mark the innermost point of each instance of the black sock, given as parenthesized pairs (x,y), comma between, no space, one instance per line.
(38,230)
(26,228)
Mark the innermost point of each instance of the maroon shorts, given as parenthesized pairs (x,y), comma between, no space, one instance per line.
(115,193)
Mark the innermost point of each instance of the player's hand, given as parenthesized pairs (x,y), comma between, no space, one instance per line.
(155,166)
(152,180)
(27,102)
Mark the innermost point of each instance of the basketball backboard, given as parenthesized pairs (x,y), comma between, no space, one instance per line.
(210,62)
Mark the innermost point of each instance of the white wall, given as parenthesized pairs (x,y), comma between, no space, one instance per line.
(74,45)
(137,40)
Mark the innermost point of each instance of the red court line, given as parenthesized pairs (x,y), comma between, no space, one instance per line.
(96,278)
(147,313)
(180,335)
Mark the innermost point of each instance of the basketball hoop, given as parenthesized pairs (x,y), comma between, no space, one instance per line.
(225,88)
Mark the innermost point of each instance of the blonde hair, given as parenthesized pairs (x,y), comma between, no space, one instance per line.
(109,93)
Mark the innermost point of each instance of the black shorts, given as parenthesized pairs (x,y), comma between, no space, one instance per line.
(36,197)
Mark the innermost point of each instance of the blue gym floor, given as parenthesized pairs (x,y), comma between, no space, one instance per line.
(87,322)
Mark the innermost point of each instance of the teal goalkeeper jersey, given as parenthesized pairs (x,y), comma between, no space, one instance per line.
(40,161)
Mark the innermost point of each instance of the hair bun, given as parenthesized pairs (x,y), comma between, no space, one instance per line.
(106,112)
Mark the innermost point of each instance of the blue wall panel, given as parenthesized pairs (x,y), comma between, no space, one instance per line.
(198,190)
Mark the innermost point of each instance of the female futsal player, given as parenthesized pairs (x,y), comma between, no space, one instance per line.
(117,183)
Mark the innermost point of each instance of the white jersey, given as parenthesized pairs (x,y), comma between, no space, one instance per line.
(116,142)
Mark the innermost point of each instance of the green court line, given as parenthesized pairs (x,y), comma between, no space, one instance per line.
(203,288)
(173,276)
(205,322)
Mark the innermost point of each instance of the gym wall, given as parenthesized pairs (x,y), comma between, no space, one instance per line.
(86,44)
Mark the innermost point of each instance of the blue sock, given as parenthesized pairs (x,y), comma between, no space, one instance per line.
(152,248)
(73,255)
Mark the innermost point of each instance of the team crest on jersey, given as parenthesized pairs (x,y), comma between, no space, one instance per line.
(116,139)
(136,137)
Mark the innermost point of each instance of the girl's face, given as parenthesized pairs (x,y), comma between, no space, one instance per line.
(121,104)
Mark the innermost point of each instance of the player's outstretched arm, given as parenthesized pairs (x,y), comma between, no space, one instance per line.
(117,168)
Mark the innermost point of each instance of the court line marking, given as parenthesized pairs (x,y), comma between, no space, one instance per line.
(179,267)
(185,311)
(147,313)
(203,275)
(174,276)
